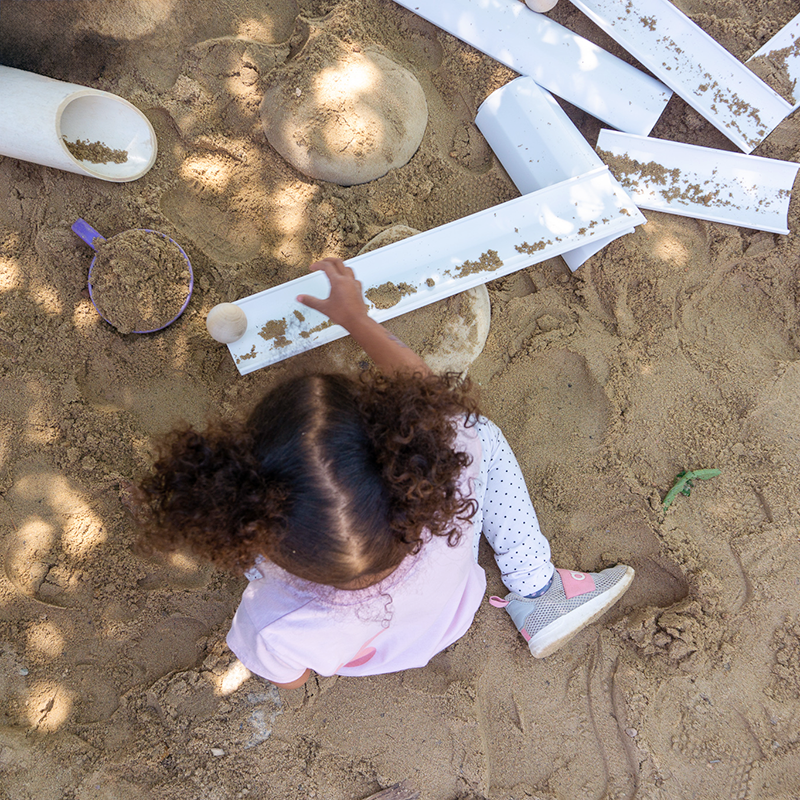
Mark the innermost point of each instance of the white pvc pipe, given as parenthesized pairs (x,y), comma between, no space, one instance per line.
(704,183)
(37,114)
(694,65)
(538,145)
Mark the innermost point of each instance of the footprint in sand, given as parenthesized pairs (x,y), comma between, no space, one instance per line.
(224,236)
(30,770)
(421,42)
(175,644)
(701,729)
(55,531)
(157,398)
(470,150)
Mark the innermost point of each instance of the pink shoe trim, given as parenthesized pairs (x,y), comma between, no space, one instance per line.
(498,602)
(576,583)
(525,635)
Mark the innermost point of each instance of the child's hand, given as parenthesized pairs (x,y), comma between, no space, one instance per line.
(346,307)
(345,304)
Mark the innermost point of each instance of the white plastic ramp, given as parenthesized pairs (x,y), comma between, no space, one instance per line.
(563,62)
(439,263)
(701,182)
(717,85)
(538,145)
(782,52)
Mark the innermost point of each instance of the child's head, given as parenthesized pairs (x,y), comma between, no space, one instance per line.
(333,479)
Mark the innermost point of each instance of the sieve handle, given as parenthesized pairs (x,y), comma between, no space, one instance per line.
(86,232)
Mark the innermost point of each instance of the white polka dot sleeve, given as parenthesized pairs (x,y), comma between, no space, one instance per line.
(506,515)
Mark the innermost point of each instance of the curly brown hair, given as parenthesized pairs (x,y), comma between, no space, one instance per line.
(334,479)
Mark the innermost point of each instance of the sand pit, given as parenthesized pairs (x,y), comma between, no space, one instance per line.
(675,348)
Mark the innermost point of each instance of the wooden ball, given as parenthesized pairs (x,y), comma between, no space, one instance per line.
(226,323)
(541,5)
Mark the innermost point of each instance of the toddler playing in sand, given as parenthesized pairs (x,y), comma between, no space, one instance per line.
(355,506)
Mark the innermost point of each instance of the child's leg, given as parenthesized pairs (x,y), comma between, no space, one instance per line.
(509,520)
(547,606)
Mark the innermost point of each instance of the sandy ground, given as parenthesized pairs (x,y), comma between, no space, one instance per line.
(675,348)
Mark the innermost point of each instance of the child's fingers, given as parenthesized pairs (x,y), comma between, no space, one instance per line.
(311,302)
(339,274)
(330,268)
(330,265)
(345,296)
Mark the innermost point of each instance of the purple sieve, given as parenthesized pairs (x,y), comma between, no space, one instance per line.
(89,235)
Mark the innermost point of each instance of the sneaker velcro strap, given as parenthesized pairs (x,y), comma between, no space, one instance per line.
(576,583)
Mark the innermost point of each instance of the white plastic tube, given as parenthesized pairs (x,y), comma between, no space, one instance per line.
(558,59)
(37,114)
(538,145)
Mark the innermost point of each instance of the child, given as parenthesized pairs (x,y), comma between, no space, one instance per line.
(356,506)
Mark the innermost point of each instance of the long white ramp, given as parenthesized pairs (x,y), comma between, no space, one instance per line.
(439,263)
(702,182)
(717,85)
(556,58)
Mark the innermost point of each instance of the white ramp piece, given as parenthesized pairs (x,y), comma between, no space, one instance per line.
(538,145)
(701,182)
(439,263)
(782,52)
(717,85)
(563,62)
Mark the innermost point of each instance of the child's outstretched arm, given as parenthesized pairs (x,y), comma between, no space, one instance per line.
(346,307)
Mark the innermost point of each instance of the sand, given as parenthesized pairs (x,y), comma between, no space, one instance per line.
(139,281)
(675,348)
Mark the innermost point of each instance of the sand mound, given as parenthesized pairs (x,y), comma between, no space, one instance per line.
(349,120)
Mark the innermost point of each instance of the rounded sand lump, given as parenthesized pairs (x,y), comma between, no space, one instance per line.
(349,121)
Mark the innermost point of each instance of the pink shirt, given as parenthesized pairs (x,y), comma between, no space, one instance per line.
(285,625)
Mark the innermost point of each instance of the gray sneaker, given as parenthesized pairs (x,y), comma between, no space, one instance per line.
(573,600)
